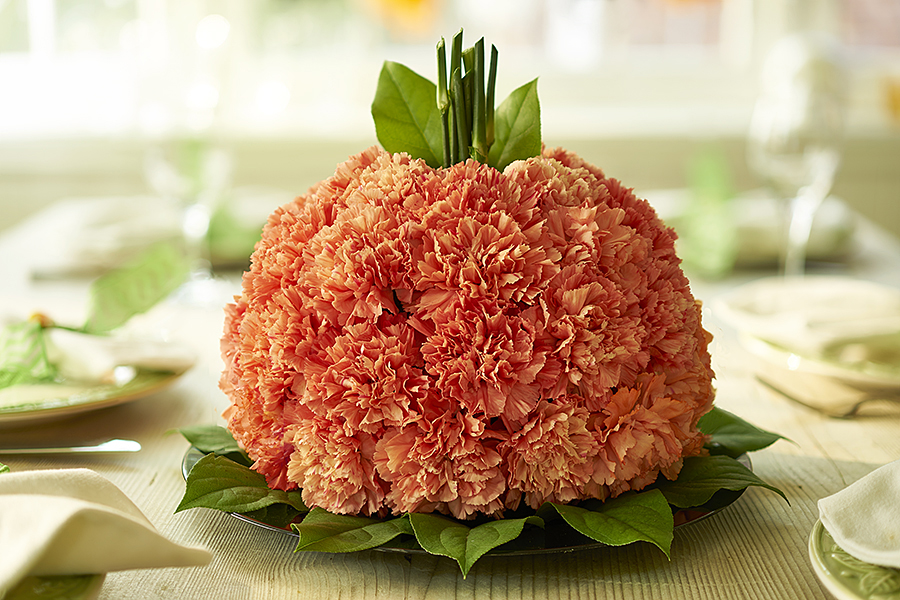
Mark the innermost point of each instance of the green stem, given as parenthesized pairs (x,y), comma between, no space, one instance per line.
(489,101)
(468,82)
(459,114)
(456,52)
(455,65)
(479,139)
(443,101)
(468,56)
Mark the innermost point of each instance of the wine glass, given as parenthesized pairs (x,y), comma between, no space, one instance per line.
(795,134)
(196,173)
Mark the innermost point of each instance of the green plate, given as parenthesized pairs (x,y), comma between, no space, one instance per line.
(25,404)
(60,587)
(846,577)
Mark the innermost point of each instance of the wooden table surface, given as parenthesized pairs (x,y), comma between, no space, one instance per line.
(756,548)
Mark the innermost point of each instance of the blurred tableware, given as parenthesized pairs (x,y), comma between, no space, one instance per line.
(868,375)
(836,326)
(84,237)
(94,372)
(58,587)
(81,357)
(29,404)
(196,172)
(796,130)
(832,397)
(74,522)
(110,446)
(757,216)
(88,236)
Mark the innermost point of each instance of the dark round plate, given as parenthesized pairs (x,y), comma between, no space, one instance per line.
(687,516)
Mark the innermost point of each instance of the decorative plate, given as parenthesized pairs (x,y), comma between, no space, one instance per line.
(27,404)
(846,577)
(880,374)
(58,587)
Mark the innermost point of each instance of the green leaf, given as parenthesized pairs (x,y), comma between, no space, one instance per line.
(119,295)
(629,518)
(406,115)
(703,476)
(276,515)
(322,531)
(732,435)
(4,468)
(448,537)
(517,126)
(23,354)
(215,439)
(220,483)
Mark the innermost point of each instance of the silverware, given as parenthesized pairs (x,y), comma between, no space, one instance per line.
(105,447)
(841,409)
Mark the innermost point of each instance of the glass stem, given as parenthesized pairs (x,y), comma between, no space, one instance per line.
(195,226)
(802,210)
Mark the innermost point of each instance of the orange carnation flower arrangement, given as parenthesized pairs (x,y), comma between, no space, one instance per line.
(462,339)
(467,323)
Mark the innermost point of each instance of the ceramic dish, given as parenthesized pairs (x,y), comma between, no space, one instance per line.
(60,587)
(846,577)
(884,373)
(833,326)
(27,404)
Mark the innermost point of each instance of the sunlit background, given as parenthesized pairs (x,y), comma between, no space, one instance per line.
(97,95)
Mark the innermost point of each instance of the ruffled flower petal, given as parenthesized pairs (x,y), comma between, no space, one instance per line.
(463,340)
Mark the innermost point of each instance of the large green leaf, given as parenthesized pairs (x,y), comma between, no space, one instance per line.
(452,538)
(733,435)
(643,517)
(517,127)
(703,476)
(214,439)
(322,531)
(222,484)
(23,354)
(406,115)
(276,515)
(119,295)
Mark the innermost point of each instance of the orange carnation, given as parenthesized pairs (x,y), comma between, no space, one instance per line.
(464,340)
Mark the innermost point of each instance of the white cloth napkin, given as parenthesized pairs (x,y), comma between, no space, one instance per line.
(864,518)
(74,521)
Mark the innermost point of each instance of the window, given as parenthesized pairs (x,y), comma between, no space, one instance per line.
(308,67)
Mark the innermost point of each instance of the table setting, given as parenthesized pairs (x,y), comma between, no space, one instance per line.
(465,365)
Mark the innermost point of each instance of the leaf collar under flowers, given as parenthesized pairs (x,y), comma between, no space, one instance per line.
(223,480)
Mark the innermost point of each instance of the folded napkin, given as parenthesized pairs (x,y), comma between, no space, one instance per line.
(73,521)
(864,518)
(83,357)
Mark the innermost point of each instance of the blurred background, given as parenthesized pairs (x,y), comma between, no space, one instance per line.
(236,106)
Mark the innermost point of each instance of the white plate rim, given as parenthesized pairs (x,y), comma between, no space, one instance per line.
(795,362)
(831,583)
(58,408)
